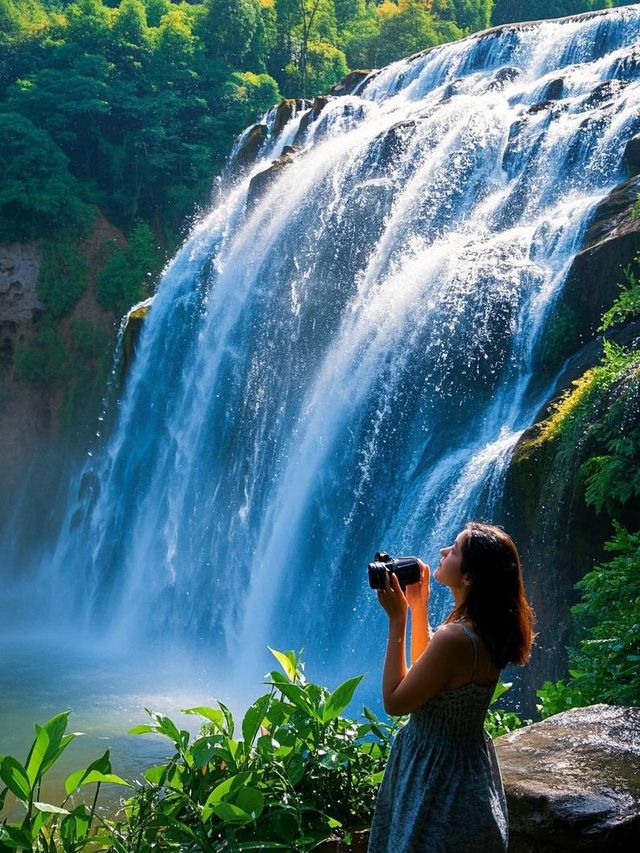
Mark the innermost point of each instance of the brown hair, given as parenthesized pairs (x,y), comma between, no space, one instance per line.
(495,601)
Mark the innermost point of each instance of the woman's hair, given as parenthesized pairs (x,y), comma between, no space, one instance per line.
(496,602)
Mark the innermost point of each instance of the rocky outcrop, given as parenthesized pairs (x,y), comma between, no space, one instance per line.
(261,182)
(248,151)
(317,106)
(20,306)
(351,83)
(573,781)
(133,325)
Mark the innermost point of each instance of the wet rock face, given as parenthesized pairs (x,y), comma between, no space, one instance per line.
(349,84)
(20,306)
(248,152)
(261,182)
(573,781)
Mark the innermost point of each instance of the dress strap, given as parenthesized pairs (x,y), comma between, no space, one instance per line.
(474,644)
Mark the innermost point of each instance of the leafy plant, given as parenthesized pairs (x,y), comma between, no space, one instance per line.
(62,279)
(500,721)
(298,772)
(47,828)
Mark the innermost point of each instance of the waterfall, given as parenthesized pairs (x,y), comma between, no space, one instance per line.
(344,363)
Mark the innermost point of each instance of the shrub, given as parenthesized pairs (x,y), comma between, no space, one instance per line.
(45,361)
(62,279)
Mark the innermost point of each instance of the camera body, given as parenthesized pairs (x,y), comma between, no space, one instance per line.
(406,569)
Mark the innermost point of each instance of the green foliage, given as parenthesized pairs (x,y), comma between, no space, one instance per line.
(508,11)
(605,659)
(129,273)
(37,194)
(500,721)
(62,278)
(293,772)
(558,696)
(46,828)
(627,305)
(606,662)
(44,362)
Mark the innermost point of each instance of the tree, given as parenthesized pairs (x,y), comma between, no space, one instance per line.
(38,195)
(510,11)
(227,29)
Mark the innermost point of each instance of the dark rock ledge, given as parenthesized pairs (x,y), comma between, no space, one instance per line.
(572,783)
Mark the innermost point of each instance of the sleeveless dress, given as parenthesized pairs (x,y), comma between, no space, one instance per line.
(442,791)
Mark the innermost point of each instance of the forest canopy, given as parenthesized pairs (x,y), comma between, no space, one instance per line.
(131,106)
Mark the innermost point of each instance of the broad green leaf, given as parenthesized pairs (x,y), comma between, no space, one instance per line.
(229,785)
(84,777)
(47,807)
(229,813)
(37,754)
(228,719)
(328,758)
(101,765)
(203,750)
(253,719)
(376,778)
(167,727)
(295,768)
(287,661)
(55,727)
(340,698)
(261,845)
(501,688)
(212,714)
(142,729)
(15,777)
(51,757)
(14,837)
(155,775)
(249,800)
(3,793)
(298,696)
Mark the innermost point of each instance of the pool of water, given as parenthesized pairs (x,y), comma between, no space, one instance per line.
(107,695)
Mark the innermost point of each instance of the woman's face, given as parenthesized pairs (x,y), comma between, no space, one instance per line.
(449,569)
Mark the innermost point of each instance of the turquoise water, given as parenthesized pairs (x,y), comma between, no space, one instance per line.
(107,696)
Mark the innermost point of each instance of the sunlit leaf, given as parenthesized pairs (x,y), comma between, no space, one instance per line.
(15,777)
(340,698)
(287,661)
(253,720)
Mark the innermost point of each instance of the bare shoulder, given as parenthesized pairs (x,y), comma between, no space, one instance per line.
(450,638)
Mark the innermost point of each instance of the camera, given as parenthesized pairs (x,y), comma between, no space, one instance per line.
(407,570)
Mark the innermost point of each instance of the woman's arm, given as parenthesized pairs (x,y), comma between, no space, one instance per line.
(417,595)
(404,690)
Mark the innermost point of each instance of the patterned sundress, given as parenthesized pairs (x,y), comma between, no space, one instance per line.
(442,791)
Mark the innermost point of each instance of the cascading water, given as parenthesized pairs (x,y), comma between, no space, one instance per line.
(345,363)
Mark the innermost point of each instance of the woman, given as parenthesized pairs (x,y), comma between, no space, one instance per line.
(442,789)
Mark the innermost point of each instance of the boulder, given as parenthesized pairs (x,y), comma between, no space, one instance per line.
(553,90)
(317,106)
(573,781)
(261,182)
(632,157)
(285,111)
(132,330)
(350,83)
(247,153)
(503,77)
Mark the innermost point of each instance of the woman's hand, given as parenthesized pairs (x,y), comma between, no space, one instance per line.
(393,599)
(417,594)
